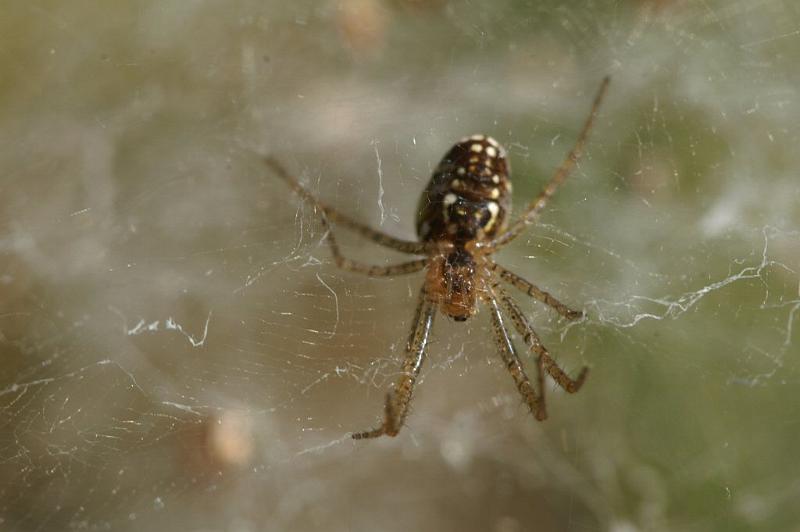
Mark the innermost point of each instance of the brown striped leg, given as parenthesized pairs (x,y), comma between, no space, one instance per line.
(534,343)
(399,399)
(368,269)
(535,401)
(535,292)
(560,175)
(405,246)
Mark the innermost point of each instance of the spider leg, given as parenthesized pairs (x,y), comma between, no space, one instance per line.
(405,246)
(368,269)
(399,399)
(562,172)
(534,343)
(513,363)
(535,292)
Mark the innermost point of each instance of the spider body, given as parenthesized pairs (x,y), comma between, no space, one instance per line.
(466,202)
(461,222)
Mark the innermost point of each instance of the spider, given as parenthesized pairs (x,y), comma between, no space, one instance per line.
(461,222)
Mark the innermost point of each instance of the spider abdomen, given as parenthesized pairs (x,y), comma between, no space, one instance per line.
(468,197)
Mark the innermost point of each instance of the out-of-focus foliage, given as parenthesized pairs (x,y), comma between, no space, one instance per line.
(178,352)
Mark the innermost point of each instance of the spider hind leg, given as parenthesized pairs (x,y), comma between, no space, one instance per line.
(333,215)
(535,207)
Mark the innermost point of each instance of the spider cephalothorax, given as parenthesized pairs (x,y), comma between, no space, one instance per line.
(461,222)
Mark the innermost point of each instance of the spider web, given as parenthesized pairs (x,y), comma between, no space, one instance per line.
(180,353)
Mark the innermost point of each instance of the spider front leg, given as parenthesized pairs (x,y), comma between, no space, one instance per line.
(508,353)
(535,292)
(534,343)
(399,399)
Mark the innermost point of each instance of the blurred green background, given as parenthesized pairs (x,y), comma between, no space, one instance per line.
(178,352)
